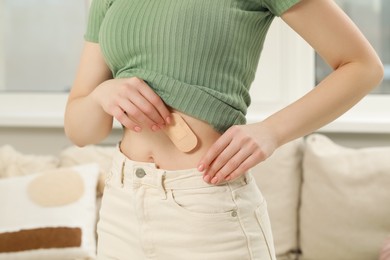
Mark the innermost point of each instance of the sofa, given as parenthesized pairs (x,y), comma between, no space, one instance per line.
(325,201)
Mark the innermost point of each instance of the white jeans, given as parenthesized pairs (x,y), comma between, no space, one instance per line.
(150,213)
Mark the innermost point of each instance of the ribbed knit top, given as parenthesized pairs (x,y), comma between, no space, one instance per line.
(199,56)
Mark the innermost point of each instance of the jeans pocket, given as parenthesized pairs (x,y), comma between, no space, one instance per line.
(265,226)
(213,201)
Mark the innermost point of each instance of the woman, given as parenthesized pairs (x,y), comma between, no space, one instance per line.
(176,75)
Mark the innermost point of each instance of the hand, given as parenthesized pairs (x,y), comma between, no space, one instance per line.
(133,103)
(236,151)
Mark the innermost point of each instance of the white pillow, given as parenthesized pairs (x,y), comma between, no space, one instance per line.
(345,210)
(279,179)
(49,215)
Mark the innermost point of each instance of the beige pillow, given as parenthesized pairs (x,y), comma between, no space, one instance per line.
(345,210)
(279,179)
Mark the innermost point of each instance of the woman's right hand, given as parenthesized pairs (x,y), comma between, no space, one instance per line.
(133,103)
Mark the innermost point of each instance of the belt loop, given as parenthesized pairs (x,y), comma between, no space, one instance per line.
(239,182)
(244,180)
(161,186)
(248,177)
(122,177)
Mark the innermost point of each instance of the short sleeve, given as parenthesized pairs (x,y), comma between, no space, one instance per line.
(97,11)
(278,7)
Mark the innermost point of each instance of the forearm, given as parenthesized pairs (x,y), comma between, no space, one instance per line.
(86,122)
(336,94)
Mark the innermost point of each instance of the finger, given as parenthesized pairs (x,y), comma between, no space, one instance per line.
(149,110)
(214,151)
(221,160)
(157,103)
(230,166)
(122,118)
(255,158)
(136,114)
(244,167)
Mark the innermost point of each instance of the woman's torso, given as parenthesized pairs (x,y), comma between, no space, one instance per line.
(156,147)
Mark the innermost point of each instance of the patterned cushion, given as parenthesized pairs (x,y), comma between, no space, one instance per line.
(49,215)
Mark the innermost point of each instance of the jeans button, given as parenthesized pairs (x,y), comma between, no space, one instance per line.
(140,173)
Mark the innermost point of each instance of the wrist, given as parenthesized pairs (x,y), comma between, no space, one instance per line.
(271,130)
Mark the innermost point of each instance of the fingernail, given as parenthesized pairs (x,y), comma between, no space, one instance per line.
(137,129)
(214,180)
(201,168)
(168,120)
(206,178)
(155,128)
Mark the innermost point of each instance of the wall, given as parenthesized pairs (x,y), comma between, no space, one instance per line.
(42,140)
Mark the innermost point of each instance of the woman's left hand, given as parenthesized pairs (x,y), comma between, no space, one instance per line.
(240,148)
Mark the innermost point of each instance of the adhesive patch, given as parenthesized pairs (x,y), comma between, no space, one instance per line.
(57,188)
(181,134)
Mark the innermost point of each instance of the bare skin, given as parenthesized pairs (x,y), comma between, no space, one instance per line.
(96,99)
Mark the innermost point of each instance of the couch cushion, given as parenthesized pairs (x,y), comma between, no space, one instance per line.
(279,179)
(49,215)
(13,163)
(345,211)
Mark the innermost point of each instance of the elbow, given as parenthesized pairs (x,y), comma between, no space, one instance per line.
(75,134)
(81,137)
(368,68)
(80,140)
(73,137)
(374,72)
(371,73)
(83,126)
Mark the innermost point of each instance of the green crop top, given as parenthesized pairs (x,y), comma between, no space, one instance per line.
(199,56)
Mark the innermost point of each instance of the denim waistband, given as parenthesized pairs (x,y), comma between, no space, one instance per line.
(129,172)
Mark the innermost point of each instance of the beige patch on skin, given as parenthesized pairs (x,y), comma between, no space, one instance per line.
(57,188)
(181,134)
